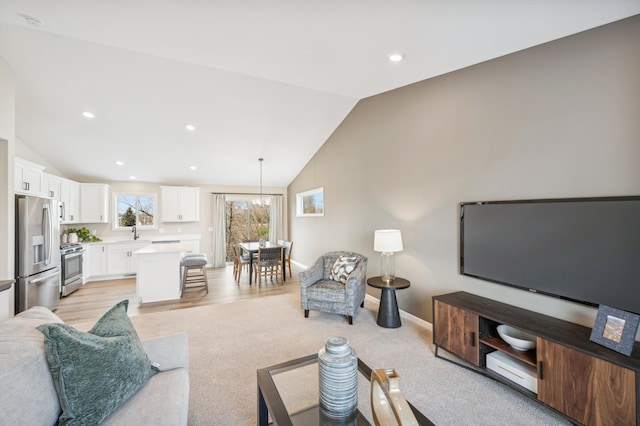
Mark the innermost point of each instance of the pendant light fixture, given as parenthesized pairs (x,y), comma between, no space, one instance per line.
(262,240)
(261,160)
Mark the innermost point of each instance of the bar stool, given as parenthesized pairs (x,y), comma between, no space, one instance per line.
(194,272)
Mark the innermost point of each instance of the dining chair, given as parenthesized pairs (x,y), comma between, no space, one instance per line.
(240,262)
(288,246)
(268,262)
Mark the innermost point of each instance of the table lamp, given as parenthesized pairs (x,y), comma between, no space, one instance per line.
(387,241)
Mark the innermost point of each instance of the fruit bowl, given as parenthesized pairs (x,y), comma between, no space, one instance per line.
(518,339)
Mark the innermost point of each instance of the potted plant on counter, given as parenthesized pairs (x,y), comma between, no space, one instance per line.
(84,235)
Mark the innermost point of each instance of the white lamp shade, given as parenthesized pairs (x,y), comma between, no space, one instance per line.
(387,240)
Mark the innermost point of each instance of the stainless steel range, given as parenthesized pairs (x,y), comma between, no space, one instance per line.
(71,255)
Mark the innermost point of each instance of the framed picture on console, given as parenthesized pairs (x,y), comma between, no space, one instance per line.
(615,329)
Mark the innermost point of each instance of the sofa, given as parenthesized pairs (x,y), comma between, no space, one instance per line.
(335,284)
(29,394)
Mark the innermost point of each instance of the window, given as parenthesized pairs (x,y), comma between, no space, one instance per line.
(135,210)
(247,219)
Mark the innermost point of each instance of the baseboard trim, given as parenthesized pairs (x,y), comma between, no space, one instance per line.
(403,314)
(299,264)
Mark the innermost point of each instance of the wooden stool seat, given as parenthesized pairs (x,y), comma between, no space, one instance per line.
(194,272)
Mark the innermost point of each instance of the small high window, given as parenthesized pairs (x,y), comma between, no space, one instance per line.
(135,210)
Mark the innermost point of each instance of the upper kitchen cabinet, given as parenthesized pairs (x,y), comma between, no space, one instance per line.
(28,177)
(94,203)
(51,186)
(70,197)
(179,204)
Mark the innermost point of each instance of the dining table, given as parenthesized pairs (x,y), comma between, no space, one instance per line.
(252,247)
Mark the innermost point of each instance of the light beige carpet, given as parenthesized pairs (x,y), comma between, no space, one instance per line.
(229,342)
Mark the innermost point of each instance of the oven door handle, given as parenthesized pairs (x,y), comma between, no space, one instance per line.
(72,254)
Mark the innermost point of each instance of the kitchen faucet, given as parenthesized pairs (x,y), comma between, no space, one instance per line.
(135,233)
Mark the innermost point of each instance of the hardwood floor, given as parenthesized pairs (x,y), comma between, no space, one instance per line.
(90,302)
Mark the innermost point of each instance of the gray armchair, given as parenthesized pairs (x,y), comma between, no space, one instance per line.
(320,293)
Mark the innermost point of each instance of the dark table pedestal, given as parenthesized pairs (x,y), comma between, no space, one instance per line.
(388,313)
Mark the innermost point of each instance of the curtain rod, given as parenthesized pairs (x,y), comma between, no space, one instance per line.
(241,193)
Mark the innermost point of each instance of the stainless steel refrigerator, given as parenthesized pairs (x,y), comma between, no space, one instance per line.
(37,252)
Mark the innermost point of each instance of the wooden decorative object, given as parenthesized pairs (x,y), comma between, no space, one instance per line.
(387,402)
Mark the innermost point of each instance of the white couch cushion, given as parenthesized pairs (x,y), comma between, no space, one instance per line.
(164,400)
(30,397)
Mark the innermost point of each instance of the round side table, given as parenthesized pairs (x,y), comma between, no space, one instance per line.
(388,314)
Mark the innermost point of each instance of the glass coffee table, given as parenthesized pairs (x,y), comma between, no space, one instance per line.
(288,394)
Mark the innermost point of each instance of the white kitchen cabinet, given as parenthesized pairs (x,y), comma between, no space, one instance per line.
(51,186)
(94,203)
(70,197)
(28,177)
(179,204)
(97,260)
(121,259)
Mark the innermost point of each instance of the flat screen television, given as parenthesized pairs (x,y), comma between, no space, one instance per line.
(586,250)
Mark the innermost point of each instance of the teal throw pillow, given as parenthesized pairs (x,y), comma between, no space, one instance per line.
(96,372)
(342,267)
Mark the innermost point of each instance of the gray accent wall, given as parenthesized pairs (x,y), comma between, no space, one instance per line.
(557,120)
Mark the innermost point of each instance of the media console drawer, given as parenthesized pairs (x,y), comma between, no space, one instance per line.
(517,371)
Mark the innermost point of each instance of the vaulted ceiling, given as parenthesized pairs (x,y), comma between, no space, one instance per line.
(269,79)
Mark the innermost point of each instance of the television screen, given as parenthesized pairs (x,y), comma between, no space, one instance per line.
(584,250)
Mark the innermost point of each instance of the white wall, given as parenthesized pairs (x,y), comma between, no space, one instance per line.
(7,215)
(557,120)
(7,137)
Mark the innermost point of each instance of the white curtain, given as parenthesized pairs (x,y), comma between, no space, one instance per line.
(276,231)
(219,231)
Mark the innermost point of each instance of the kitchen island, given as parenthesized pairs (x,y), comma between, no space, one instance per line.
(159,277)
(114,258)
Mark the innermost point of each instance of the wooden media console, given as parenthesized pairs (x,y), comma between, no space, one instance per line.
(584,381)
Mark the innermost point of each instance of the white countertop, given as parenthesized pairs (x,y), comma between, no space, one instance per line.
(149,239)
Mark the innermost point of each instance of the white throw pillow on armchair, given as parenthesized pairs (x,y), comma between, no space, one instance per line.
(342,267)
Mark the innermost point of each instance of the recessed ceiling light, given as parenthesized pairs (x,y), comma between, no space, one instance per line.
(395,57)
(193,167)
(88,114)
(132,177)
(190,127)
(119,163)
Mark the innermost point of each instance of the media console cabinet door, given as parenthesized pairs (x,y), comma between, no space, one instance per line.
(456,330)
(588,389)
